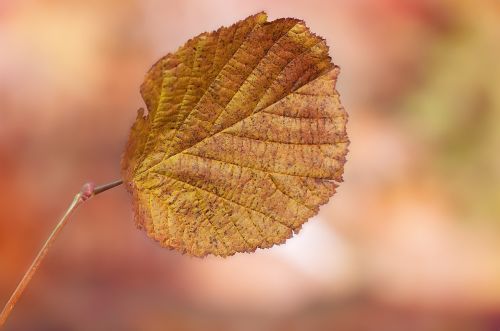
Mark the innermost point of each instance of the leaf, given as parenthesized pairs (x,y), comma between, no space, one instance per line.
(244,138)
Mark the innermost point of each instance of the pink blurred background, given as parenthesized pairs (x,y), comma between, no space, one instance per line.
(411,241)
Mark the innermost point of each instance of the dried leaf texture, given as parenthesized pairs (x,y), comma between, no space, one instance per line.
(243,140)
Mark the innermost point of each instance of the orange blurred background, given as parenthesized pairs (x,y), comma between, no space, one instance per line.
(411,241)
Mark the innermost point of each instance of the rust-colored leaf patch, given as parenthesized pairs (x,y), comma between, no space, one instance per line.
(243,140)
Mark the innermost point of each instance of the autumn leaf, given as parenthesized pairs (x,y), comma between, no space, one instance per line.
(243,140)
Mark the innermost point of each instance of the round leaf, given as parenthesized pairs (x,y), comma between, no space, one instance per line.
(243,140)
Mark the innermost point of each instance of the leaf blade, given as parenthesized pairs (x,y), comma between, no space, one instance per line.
(252,148)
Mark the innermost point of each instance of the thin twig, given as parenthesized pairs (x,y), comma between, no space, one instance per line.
(88,190)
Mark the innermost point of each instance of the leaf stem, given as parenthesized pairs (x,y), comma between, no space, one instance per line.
(105,187)
(88,190)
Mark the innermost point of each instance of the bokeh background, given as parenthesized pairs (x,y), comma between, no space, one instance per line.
(411,241)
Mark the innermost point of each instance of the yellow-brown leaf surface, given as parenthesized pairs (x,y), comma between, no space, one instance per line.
(243,140)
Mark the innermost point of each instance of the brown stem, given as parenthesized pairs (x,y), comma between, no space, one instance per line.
(88,190)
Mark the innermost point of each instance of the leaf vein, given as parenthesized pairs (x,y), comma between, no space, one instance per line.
(228,200)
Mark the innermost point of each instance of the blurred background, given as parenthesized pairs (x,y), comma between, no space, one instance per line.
(411,241)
